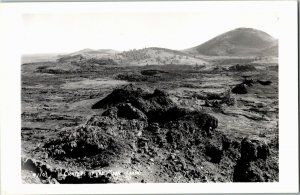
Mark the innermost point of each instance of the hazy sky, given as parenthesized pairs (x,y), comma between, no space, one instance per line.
(174,27)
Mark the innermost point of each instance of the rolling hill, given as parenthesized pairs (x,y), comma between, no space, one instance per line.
(140,57)
(158,56)
(238,42)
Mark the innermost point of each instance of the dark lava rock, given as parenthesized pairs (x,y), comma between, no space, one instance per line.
(111,112)
(142,104)
(129,112)
(158,92)
(126,111)
(226,142)
(127,93)
(239,67)
(249,172)
(202,120)
(163,115)
(208,122)
(240,89)
(252,149)
(99,135)
(174,137)
(264,82)
(133,103)
(154,128)
(214,151)
(138,97)
(248,82)
(252,166)
(158,101)
(151,72)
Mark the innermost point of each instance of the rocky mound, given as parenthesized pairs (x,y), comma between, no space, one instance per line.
(120,126)
(156,107)
(138,97)
(253,165)
(240,89)
(247,83)
(99,135)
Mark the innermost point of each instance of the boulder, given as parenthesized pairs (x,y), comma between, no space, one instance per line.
(240,89)
(214,151)
(254,148)
(226,142)
(264,82)
(249,172)
(252,166)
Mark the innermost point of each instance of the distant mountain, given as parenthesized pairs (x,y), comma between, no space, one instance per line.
(238,42)
(270,51)
(158,56)
(140,57)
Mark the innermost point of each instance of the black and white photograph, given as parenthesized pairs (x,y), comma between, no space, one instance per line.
(152,92)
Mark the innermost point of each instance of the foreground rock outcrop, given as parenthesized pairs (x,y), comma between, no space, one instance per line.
(253,166)
(140,127)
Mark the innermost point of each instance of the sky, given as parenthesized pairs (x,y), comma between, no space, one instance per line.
(140,25)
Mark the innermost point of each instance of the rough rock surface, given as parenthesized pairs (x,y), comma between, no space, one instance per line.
(253,149)
(240,89)
(138,97)
(252,166)
(99,135)
(264,82)
(125,94)
(149,129)
(125,110)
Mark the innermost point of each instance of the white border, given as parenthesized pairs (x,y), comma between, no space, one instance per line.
(10,51)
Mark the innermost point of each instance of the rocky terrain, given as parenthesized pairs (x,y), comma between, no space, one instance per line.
(88,118)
